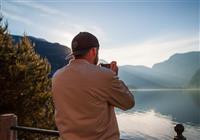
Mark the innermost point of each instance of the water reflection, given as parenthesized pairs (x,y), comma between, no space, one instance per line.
(157,112)
(183,106)
(152,126)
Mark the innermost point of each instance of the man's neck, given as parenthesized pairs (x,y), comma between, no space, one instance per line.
(84,60)
(87,59)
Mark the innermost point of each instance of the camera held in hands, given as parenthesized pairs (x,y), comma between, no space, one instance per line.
(105,65)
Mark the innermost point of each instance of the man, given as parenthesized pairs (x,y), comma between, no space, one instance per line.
(85,94)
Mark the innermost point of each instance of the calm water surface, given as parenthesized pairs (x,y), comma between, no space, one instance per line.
(157,112)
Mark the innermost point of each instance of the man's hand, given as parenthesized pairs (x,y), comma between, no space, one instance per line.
(114,67)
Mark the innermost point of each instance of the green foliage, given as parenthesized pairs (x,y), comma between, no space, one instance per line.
(24,82)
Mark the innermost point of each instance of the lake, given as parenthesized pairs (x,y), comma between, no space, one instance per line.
(157,112)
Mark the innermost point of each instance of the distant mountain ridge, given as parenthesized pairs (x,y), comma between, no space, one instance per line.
(181,66)
(176,72)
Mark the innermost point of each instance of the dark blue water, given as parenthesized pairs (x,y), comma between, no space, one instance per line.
(158,111)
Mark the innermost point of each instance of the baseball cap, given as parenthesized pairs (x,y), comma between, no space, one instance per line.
(82,42)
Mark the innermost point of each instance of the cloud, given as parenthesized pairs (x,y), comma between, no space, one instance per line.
(150,51)
(36,6)
(65,33)
(97,30)
(19,6)
(59,29)
(62,36)
(17,18)
(11,11)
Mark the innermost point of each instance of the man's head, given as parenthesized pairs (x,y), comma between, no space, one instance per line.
(85,46)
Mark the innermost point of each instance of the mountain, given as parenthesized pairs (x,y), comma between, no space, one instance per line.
(139,77)
(195,80)
(175,72)
(180,67)
(54,52)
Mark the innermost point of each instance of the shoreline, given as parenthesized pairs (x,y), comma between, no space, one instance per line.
(166,89)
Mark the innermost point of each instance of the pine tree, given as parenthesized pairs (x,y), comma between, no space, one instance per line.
(24,82)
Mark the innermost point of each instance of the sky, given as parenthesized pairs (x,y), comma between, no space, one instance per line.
(131,32)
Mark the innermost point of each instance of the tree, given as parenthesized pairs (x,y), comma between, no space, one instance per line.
(24,82)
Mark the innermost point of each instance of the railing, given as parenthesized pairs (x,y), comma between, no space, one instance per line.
(9,129)
(36,130)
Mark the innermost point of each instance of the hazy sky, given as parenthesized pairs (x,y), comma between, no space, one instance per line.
(133,32)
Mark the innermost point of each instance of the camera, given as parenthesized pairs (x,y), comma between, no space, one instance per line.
(105,65)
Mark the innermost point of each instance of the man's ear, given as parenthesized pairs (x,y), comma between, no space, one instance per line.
(93,51)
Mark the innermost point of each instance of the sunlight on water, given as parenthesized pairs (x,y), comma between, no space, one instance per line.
(152,126)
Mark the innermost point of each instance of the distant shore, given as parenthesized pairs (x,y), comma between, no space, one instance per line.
(167,89)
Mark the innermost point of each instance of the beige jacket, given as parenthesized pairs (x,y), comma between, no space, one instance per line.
(84,96)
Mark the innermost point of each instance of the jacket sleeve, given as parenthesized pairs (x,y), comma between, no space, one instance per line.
(119,94)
